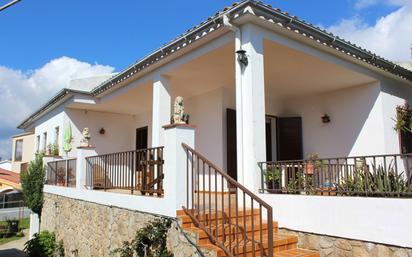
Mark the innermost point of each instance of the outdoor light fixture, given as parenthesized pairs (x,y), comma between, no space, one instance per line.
(102,131)
(325,118)
(242,58)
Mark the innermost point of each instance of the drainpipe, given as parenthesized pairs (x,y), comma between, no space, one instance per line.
(239,94)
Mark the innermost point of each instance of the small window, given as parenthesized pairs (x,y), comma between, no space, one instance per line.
(44,141)
(38,143)
(56,136)
(18,150)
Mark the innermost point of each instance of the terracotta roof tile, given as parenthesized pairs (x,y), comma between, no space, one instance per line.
(10,176)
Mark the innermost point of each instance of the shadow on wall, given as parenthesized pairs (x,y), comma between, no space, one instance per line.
(120,130)
(356,121)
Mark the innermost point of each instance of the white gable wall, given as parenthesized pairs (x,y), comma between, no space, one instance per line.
(48,123)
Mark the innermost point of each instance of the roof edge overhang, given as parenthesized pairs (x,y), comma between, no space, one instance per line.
(269,14)
(193,36)
(58,99)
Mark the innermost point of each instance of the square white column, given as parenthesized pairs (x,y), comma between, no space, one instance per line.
(176,160)
(250,106)
(161,109)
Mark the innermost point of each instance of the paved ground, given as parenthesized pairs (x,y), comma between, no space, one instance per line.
(10,213)
(14,248)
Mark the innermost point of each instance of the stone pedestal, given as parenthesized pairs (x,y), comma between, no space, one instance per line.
(176,161)
(34,225)
(82,153)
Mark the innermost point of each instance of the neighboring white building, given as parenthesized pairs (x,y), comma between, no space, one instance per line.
(294,90)
(6,165)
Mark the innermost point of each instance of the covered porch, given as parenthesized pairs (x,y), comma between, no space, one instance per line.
(289,101)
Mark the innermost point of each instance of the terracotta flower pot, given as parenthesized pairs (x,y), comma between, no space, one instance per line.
(309,168)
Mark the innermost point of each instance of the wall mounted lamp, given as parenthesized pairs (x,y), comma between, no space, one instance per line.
(325,118)
(242,58)
(102,131)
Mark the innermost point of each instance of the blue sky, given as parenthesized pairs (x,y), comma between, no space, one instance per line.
(119,32)
(46,43)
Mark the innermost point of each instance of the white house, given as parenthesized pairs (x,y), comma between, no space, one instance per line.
(259,85)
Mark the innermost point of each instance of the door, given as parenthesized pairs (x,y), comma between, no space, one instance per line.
(231,143)
(268,139)
(141,138)
(289,138)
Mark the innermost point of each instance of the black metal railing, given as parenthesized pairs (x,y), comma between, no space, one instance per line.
(374,176)
(61,173)
(233,218)
(135,171)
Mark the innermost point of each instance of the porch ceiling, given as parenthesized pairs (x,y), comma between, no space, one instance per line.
(210,71)
(135,100)
(290,73)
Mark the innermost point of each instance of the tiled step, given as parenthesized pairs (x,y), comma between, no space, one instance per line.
(203,236)
(297,253)
(283,245)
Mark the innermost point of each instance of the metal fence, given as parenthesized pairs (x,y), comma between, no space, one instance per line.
(137,171)
(61,173)
(374,176)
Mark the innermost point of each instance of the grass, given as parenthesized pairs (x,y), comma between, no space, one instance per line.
(24,224)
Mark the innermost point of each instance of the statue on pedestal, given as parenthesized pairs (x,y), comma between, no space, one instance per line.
(85,142)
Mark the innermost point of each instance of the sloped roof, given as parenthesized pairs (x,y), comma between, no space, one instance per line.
(247,7)
(265,12)
(9,176)
(55,100)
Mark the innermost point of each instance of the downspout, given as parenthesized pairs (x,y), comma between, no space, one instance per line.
(239,118)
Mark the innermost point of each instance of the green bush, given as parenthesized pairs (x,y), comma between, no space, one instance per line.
(44,245)
(150,241)
(32,183)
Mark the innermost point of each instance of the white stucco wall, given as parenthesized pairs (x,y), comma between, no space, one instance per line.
(380,220)
(393,94)
(120,129)
(206,114)
(48,123)
(356,126)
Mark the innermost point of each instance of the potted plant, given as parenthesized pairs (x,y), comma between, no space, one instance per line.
(61,177)
(311,164)
(55,149)
(273,178)
(49,149)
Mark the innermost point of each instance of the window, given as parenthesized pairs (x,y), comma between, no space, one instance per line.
(44,141)
(404,113)
(38,143)
(56,135)
(18,150)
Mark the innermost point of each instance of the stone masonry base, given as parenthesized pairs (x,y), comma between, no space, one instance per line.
(339,247)
(89,229)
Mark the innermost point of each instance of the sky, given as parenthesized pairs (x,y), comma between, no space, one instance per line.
(44,44)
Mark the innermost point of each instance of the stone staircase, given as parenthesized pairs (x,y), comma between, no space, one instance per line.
(232,234)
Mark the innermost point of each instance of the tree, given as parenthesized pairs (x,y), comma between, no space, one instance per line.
(32,184)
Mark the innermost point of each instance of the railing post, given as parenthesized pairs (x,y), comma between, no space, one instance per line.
(175,160)
(67,173)
(82,153)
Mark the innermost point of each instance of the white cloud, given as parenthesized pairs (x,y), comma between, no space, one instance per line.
(389,37)
(362,4)
(5,146)
(23,92)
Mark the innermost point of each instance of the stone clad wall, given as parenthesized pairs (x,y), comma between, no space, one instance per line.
(340,247)
(89,229)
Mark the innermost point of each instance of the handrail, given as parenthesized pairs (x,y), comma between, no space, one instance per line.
(234,225)
(229,178)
